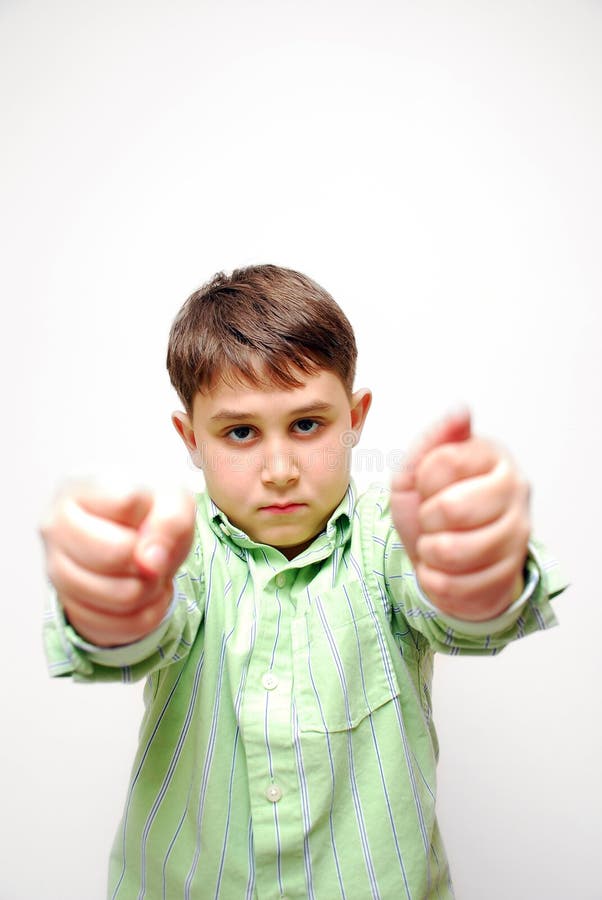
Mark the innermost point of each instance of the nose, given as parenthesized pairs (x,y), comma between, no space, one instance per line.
(280,468)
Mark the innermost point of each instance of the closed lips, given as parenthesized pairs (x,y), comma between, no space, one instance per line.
(283,506)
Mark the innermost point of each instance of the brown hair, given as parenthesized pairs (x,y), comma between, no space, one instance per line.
(261,324)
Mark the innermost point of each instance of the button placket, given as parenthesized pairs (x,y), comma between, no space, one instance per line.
(269,681)
(267,706)
(274,793)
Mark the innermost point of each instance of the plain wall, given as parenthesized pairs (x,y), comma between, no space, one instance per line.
(437,167)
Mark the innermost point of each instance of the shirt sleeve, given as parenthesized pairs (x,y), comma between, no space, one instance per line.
(410,608)
(69,654)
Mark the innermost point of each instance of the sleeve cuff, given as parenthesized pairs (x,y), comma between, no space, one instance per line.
(500,623)
(125,654)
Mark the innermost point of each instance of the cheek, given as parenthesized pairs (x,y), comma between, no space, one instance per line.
(233,478)
(227,473)
(322,463)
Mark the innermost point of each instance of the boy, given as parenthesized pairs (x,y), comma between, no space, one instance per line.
(287,749)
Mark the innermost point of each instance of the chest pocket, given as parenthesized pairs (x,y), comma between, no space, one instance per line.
(342,666)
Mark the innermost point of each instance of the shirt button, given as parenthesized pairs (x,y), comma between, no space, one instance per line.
(280,579)
(269,681)
(273,793)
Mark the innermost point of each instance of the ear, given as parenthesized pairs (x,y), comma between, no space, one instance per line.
(183,425)
(360,404)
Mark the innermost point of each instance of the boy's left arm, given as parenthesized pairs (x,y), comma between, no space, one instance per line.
(461,509)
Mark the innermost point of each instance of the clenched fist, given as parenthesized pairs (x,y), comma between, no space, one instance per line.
(111,556)
(462,512)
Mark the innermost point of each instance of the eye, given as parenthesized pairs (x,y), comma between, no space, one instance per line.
(306,426)
(242,434)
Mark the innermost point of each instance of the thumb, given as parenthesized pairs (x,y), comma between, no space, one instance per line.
(165,535)
(405,500)
(454,427)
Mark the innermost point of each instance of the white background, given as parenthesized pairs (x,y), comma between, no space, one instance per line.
(437,167)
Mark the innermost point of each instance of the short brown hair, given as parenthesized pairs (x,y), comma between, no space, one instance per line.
(261,324)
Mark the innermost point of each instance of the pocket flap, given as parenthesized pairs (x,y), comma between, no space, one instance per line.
(341,662)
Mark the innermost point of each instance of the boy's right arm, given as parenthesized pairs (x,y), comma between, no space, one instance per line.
(112,555)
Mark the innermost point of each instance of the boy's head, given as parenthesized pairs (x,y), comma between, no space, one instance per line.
(259,325)
(263,361)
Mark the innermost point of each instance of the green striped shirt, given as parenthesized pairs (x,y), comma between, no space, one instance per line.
(287,749)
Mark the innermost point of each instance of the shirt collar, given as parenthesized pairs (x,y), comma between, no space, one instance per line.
(335,534)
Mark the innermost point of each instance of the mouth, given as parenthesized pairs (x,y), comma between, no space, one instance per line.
(282,508)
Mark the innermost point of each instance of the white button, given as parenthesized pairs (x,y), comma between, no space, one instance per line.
(281,579)
(273,793)
(269,681)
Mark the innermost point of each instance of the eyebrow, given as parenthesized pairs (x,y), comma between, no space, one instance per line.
(318,406)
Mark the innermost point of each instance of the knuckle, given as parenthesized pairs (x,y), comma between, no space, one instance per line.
(129,593)
(450,461)
(437,585)
(523,532)
(60,573)
(445,585)
(52,570)
(440,467)
(49,527)
(147,618)
(180,523)
(175,525)
(111,557)
(524,491)
(514,480)
(448,551)
(451,510)
(518,527)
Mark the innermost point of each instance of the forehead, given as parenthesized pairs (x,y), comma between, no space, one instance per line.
(239,399)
